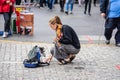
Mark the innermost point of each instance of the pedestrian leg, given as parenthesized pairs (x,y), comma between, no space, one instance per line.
(89,8)
(117,35)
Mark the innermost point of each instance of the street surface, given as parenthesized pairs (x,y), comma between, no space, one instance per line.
(88,28)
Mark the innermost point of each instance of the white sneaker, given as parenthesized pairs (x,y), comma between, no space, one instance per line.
(107,41)
(5,34)
(118,45)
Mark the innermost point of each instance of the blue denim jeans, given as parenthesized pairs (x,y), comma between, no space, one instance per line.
(50,4)
(69,3)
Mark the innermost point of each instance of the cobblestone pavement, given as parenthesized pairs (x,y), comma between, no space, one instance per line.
(94,62)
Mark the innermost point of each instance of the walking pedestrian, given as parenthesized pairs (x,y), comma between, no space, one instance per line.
(88,6)
(67,44)
(69,3)
(7,7)
(62,2)
(110,10)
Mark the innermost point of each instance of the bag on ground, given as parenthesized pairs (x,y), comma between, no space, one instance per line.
(34,57)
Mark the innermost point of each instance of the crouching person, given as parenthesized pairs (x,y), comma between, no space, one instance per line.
(67,44)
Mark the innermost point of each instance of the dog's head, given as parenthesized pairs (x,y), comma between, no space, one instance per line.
(42,49)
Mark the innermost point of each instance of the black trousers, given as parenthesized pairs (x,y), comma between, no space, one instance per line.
(18,2)
(94,2)
(88,5)
(7,19)
(62,2)
(110,25)
(42,3)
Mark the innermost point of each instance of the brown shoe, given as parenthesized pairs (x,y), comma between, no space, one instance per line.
(61,62)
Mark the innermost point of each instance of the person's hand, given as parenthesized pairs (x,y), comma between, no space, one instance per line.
(10,3)
(7,1)
(58,44)
(103,15)
(48,59)
(56,39)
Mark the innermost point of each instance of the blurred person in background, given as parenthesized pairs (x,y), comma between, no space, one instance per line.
(110,10)
(7,7)
(88,7)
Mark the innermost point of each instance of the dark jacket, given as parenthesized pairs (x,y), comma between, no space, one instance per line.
(104,6)
(69,37)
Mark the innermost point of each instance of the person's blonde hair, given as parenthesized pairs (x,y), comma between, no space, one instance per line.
(54,20)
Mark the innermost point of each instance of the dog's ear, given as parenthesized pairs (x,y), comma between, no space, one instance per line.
(42,49)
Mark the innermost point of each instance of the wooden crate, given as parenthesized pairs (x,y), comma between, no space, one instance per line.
(27,17)
(27,20)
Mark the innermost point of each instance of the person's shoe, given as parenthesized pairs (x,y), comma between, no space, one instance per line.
(73,57)
(50,10)
(94,5)
(5,34)
(84,12)
(79,6)
(66,12)
(70,58)
(71,12)
(38,6)
(62,10)
(118,45)
(107,41)
(61,62)
(89,14)
(67,60)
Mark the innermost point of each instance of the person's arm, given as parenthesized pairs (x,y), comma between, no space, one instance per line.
(103,7)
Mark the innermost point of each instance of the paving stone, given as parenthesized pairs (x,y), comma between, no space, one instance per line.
(94,62)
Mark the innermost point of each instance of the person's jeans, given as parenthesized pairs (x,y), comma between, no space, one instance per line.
(62,4)
(88,4)
(53,2)
(7,19)
(110,25)
(50,4)
(69,3)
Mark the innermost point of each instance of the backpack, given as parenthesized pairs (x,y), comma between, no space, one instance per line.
(34,57)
